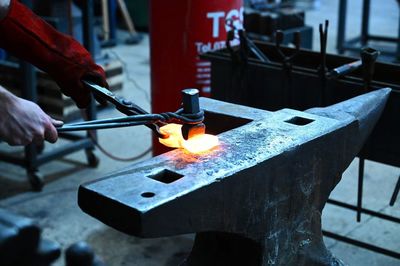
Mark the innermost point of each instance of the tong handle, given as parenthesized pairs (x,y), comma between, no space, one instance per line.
(122,105)
(257,52)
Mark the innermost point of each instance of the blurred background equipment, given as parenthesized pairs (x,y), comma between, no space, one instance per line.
(366,37)
(263,18)
(21,242)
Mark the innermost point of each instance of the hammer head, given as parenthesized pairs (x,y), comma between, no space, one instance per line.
(191,108)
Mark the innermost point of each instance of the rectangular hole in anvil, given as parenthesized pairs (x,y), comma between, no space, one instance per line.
(220,123)
(166,176)
(299,121)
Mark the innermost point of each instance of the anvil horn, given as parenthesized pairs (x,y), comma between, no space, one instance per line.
(255,200)
(366,109)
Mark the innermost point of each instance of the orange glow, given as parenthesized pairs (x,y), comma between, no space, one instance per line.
(197,144)
(201,143)
(175,138)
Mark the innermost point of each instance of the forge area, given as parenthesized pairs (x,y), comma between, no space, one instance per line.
(57,212)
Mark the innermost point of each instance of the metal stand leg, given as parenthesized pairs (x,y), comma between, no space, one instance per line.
(395,193)
(92,159)
(88,35)
(341,26)
(29,93)
(360,188)
(398,43)
(360,244)
(112,5)
(365,22)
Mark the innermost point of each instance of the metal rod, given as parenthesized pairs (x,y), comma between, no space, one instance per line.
(126,16)
(106,20)
(345,69)
(366,211)
(365,22)
(322,69)
(383,38)
(323,38)
(149,118)
(395,193)
(257,52)
(361,244)
(71,136)
(398,39)
(360,188)
(99,126)
(357,49)
(341,37)
(88,22)
(11,158)
(62,151)
(112,11)
(88,41)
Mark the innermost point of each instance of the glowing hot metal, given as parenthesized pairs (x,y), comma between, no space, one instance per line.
(198,144)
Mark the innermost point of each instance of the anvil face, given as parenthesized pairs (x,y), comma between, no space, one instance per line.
(268,180)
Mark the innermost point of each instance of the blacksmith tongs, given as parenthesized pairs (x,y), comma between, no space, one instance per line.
(135,115)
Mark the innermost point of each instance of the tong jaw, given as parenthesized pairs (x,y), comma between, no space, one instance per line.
(191,110)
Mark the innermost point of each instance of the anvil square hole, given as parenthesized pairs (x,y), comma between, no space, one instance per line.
(166,176)
(299,121)
(220,123)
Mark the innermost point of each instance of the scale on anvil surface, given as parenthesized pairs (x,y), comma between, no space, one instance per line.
(257,198)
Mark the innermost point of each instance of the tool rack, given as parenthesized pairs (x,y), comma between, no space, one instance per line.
(244,79)
(33,155)
(356,43)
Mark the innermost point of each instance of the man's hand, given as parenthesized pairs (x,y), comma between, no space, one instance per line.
(23,122)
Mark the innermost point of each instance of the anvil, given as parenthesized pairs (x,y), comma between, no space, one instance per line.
(254,200)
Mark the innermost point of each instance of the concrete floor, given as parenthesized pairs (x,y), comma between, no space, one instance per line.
(57,212)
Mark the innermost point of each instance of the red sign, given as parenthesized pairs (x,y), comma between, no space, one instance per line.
(180,31)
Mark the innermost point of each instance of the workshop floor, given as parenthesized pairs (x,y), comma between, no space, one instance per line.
(57,212)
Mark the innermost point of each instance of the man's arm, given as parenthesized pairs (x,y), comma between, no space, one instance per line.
(23,122)
(28,37)
(4,5)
